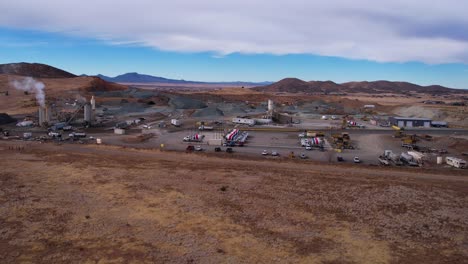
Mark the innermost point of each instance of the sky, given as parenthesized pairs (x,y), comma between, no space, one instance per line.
(425,42)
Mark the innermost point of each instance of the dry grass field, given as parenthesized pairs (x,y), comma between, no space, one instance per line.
(102,204)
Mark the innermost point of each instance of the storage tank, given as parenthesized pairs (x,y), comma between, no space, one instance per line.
(271,106)
(88,114)
(42,115)
(93,103)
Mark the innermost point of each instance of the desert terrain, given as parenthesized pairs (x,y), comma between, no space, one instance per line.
(125,184)
(105,204)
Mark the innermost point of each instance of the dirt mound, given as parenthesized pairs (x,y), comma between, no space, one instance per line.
(6,119)
(99,85)
(36,70)
(420,112)
(207,112)
(185,102)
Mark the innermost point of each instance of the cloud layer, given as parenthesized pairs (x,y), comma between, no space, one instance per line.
(383,31)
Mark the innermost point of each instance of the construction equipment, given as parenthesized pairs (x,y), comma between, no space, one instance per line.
(411,139)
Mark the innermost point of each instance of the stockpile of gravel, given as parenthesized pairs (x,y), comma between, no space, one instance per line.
(181,102)
(143,94)
(232,109)
(6,119)
(210,111)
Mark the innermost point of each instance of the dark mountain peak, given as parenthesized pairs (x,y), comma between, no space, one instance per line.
(36,70)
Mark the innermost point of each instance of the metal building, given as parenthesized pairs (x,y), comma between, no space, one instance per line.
(410,122)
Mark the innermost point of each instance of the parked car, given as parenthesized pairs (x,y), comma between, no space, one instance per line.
(198,148)
(308,147)
(265,152)
(218,149)
(229,150)
(356,160)
(274,153)
(303,156)
(339,158)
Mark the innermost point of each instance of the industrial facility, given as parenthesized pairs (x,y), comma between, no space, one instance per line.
(410,122)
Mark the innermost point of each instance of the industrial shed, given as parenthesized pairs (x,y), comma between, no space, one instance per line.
(439,124)
(410,122)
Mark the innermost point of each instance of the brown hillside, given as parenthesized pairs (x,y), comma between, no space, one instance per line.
(325,87)
(36,70)
(293,85)
(17,102)
(290,85)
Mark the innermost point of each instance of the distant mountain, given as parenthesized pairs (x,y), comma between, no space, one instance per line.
(134,77)
(293,85)
(36,70)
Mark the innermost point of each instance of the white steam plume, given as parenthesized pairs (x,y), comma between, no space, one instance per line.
(28,84)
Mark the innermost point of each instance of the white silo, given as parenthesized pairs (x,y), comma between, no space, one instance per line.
(44,115)
(270,106)
(93,103)
(41,113)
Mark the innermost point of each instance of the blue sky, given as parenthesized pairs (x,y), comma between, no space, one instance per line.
(254,42)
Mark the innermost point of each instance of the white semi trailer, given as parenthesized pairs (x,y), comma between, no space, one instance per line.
(176,122)
(456,162)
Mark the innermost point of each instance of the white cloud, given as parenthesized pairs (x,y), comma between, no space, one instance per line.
(386,31)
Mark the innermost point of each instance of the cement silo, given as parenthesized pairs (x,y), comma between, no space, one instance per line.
(44,115)
(93,103)
(88,113)
(271,106)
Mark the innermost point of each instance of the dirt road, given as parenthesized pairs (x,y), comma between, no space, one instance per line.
(100,204)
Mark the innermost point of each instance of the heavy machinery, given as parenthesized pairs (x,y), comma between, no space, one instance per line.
(409,139)
(398,132)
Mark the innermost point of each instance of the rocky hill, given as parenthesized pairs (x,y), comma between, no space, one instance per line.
(36,70)
(293,85)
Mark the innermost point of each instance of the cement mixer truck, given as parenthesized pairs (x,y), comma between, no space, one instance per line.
(315,141)
(194,138)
